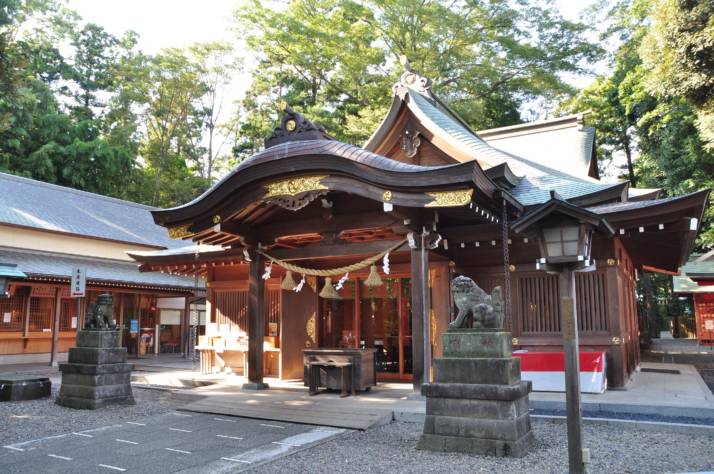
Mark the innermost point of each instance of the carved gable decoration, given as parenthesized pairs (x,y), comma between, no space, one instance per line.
(295,193)
(293,127)
(411,80)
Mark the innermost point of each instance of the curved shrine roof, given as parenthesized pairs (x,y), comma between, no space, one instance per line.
(535,180)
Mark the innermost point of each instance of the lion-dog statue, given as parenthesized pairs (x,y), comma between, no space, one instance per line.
(100,315)
(485,311)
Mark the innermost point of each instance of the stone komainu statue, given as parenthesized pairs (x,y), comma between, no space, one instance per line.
(100,315)
(486,310)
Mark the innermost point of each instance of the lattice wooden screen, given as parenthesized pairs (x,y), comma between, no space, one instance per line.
(591,291)
(537,308)
(41,313)
(12,313)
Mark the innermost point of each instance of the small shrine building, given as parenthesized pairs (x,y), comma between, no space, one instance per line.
(390,224)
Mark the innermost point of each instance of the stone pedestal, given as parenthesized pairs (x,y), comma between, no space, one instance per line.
(96,374)
(477,402)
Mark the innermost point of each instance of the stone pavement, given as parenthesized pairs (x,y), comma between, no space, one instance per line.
(171,442)
(682,395)
(666,394)
(679,346)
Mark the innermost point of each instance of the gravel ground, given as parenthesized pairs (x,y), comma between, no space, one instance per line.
(391,449)
(23,421)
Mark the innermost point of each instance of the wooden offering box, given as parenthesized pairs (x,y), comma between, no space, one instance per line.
(362,360)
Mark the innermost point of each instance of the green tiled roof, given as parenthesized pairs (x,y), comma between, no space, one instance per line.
(536,180)
(693,270)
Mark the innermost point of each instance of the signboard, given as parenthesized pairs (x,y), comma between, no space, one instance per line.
(74,322)
(79,282)
(134,326)
(7,317)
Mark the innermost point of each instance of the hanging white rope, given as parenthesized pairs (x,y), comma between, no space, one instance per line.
(334,271)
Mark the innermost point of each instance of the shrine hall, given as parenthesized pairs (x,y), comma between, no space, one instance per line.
(313,244)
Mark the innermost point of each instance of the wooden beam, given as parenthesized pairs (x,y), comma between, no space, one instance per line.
(268,233)
(321,250)
(256,323)
(471,233)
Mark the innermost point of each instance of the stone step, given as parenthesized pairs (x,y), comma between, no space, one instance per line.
(477,391)
(94,403)
(103,391)
(488,447)
(92,355)
(504,430)
(502,371)
(477,343)
(92,369)
(106,339)
(472,408)
(97,380)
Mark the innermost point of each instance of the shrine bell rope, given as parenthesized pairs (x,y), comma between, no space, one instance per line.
(333,271)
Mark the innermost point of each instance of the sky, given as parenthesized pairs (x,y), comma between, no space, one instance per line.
(161,23)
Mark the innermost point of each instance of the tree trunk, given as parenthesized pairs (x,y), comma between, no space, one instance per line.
(159,172)
(630,168)
(211,127)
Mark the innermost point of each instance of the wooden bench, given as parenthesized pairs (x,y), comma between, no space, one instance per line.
(346,375)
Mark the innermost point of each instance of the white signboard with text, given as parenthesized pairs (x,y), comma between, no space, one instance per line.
(79,282)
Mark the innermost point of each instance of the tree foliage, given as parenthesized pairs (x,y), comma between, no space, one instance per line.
(337,59)
(678,54)
(101,116)
(651,113)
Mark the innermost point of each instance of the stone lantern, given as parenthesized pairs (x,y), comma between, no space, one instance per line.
(564,233)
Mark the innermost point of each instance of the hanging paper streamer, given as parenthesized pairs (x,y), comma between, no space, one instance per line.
(341,282)
(385,263)
(299,285)
(288,282)
(268,271)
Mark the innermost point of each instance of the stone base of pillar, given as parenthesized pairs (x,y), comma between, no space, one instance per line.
(96,374)
(255,386)
(477,403)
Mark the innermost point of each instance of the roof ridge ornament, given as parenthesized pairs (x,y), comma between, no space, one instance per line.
(410,80)
(293,127)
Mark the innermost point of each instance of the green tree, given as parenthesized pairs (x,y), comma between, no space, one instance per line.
(678,55)
(656,131)
(218,67)
(173,91)
(337,59)
(92,67)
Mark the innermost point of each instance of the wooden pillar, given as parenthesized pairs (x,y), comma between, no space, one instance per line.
(650,318)
(256,323)
(569,324)
(55,327)
(185,325)
(26,322)
(121,318)
(616,361)
(421,347)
